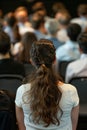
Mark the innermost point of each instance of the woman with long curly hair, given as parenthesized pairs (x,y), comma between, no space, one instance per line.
(46,103)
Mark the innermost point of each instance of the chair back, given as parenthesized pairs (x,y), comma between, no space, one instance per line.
(29,68)
(10,82)
(7,120)
(62,65)
(81,85)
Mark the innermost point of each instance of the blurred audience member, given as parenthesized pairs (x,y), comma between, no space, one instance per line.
(8,65)
(27,39)
(64,21)
(16,50)
(23,54)
(78,68)
(52,26)
(11,27)
(82,19)
(57,6)
(39,9)
(70,50)
(21,15)
(37,5)
(38,25)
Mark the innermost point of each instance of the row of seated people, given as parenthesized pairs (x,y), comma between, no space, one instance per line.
(75,68)
(42,26)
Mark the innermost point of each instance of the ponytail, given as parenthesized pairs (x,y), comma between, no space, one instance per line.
(44,96)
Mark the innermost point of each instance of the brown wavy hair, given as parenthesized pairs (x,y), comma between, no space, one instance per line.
(44,94)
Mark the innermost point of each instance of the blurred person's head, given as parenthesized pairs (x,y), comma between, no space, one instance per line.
(51,26)
(57,6)
(41,12)
(82,10)
(38,15)
(82,40)
(64,21)
(5,43)
(10,19)
(21,14)
(24,54)
(62,13)
(37,5)
(73,31)
(37,23)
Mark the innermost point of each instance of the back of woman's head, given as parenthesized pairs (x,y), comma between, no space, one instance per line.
(43,52)
(44,95)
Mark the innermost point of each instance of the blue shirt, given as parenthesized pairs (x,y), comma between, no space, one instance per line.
(68,51)
(39,35)
(55,42)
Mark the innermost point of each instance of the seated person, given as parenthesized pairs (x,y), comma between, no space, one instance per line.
(8,65)
(45,102)
(82,16)
(70,50)
(11,27)
(23,53)
(64,21)
(21,14)
(38,25)
(78,68)
(52,27)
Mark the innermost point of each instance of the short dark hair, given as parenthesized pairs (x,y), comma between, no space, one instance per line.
(10,19)
(4,42)
(82,9)
(73,31)
(82,40)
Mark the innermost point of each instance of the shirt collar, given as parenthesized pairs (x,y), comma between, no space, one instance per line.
(71,42)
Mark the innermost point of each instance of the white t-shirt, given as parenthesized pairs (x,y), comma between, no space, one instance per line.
(69,100)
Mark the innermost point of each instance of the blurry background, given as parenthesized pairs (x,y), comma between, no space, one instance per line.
(71,5)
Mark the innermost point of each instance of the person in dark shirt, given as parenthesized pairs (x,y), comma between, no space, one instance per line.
(8,65)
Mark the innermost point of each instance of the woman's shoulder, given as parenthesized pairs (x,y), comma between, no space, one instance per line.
(67,87)
(23,88)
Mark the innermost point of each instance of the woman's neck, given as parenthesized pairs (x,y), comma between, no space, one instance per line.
(60,83)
